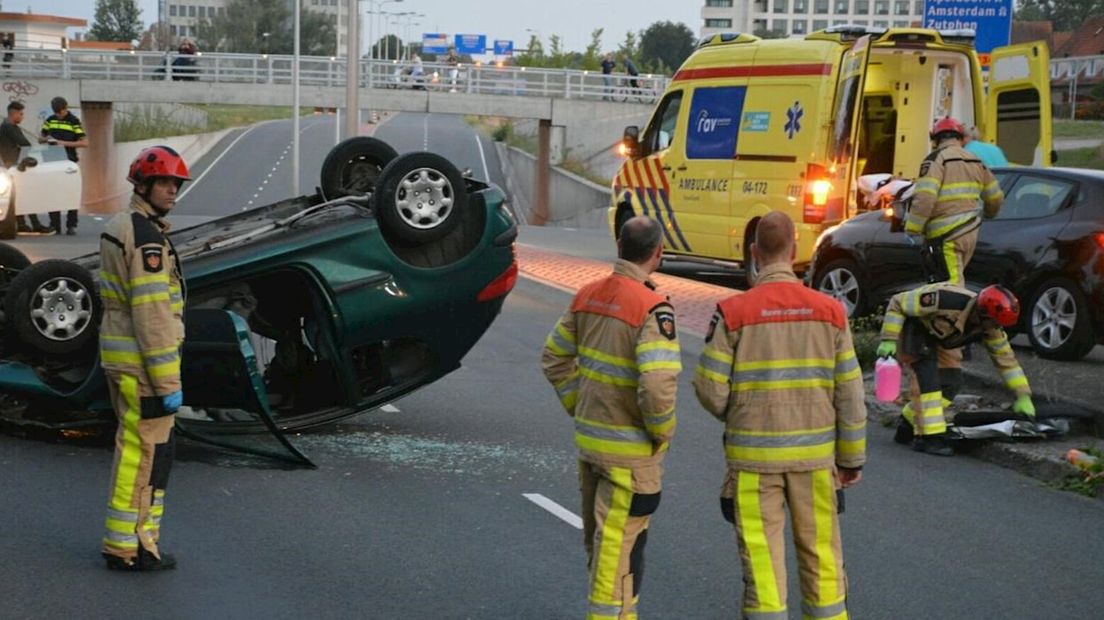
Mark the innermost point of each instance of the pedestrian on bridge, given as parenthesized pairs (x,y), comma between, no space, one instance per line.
(778,368)
(64,128)
(607,70)
(614,361)
(949,316)
(142,290)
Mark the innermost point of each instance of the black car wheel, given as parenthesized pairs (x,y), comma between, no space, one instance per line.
(353,167)
(52,307)
(12,261)
(1058,323)
(840,280)
(420,197)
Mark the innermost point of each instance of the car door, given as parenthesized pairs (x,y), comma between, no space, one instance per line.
(1017,108)
(1022,236)
(53,183)
(843,150)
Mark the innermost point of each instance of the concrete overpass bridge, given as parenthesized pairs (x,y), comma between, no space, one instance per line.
(573,108)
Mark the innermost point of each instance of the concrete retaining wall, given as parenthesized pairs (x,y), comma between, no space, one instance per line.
(590,130)
(574,202)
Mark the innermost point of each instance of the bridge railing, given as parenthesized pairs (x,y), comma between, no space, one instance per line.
(330,71)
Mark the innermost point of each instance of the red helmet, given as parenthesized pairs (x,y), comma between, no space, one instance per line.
(157,161)
(947,125)
(999,304)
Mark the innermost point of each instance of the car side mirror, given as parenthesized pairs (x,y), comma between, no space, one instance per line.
(26,162)
(630,141)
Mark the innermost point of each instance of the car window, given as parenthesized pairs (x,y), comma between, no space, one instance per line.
(44,153)
(1034,197)
(662,128)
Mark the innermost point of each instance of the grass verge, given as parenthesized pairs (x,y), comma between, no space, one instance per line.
(156,123)
(1081,158)
(1078,129)
(502,130)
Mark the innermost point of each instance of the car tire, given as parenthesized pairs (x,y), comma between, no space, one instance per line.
(1058,322)
(9,226)
(840,280)
(12,261)
(353,167)
(420,198)
(52,308)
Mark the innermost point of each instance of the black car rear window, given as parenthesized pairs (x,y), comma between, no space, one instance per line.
(1034,197)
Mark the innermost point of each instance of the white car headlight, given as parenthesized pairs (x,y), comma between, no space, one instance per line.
(5,183)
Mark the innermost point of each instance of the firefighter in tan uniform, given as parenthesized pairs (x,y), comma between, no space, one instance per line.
(614,361)
(944,212)
(140,338)
(946,315)
(778,368)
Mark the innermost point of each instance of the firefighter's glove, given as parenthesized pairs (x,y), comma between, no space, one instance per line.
(172,401)
(1024,405)
(888,348)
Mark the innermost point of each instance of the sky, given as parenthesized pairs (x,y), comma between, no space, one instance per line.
(572,20)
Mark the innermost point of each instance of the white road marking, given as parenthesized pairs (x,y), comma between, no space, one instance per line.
(425,125)
(389,408)
(483,158)
(214,163)
(559,511)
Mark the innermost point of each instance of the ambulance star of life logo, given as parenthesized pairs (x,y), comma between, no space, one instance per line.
(793,120)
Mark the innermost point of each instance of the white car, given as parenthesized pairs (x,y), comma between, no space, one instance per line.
(44,180)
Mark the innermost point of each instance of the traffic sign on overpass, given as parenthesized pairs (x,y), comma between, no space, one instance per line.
(503,47)
(435,43)
(471,43)
(991,20)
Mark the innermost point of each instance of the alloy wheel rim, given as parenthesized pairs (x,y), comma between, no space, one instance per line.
(424,198)
(842,285)
(1053,318)
(61,309)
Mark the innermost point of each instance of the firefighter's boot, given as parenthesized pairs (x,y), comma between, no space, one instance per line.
(904,434)
(933,444)
(145,561)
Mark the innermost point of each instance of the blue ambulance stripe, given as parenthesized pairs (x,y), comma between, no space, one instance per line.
(671,214)
(651,193)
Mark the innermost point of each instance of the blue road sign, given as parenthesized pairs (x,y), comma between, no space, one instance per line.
(471,43)
(503,47)
(435,43)
(991,20)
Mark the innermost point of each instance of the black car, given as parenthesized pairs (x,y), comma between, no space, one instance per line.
(1046,245)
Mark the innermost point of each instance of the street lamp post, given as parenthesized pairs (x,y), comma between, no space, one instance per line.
(295,103)
(352,75)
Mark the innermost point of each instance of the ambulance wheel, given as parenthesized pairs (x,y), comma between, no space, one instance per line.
(420,198)
(1058,321)
(840,280)
(353,167)
(52,308)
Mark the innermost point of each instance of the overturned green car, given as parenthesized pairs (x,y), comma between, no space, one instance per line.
(298,313)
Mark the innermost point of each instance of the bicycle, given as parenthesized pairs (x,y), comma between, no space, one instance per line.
(627,92)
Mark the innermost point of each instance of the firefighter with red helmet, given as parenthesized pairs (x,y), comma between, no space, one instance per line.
(140,337)
(949,316)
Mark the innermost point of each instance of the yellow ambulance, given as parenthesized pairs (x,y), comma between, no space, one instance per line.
(748,126)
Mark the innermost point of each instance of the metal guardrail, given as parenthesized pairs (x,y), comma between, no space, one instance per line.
(219,68)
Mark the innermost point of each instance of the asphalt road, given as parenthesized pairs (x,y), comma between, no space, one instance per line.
(420,512)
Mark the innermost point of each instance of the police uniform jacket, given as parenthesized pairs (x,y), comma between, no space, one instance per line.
(143,297)
(614,360)
(944,203)
(779,370)
(944,310)
(68,129)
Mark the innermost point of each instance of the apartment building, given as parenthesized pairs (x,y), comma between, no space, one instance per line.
(796,18)
(184,16)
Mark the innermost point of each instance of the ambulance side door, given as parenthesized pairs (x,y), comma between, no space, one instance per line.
(650,178)
(843,146)
(1017,107)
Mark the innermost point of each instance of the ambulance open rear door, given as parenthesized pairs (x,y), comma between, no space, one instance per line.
(843,145)
(1017,107)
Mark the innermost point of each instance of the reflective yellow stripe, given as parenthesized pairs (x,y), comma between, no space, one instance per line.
(808,362)
(607,358)
(608,556)
(160,371)
(950,257)
(120,357)
(824,511)
(149,299)
(795,384)
(753,532)
(126,476)
(774,455)
(605,446)
(157,279)
(594,375)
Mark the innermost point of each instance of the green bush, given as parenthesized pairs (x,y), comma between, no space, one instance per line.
(865,332)
(503,132)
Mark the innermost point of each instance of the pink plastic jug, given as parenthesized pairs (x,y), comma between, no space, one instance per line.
(887,379)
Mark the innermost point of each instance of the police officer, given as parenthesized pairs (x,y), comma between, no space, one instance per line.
(614,361)
(944,207)
(64,128)
(948,315)
(143,299)
(778,368)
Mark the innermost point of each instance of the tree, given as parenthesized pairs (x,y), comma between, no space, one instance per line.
(116,20)
(389,47)
(592,60)
(667,43)
(629,47)
(1030,11)
(1066,14)
(317,34)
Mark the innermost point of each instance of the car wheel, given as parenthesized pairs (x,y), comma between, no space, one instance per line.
(353,167)
(420,197)
(1058,323)
(52,307)
(840,280)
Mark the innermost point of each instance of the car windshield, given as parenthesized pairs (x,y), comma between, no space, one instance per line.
(44,153)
